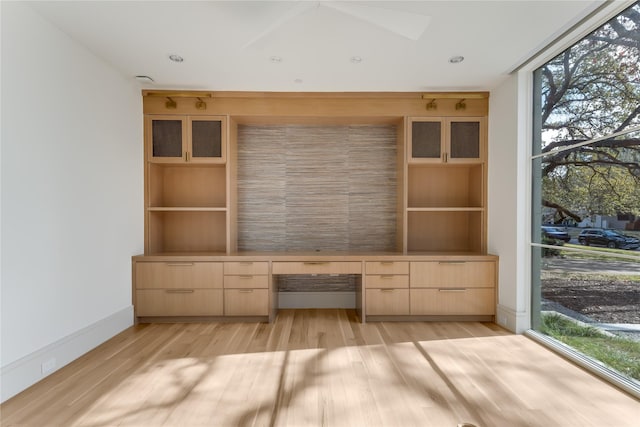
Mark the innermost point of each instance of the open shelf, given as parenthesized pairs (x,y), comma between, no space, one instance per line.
(450,186)
(187,186)
(445,231)
(187,231)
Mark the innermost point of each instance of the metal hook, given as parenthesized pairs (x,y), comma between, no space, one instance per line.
(431,105)
(461,105)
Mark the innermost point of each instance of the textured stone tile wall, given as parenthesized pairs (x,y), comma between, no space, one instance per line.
(316,188)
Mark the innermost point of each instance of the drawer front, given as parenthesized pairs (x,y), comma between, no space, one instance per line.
(447,301)
(179,302)
(464,274)
(387,302)
(246,282)
(175,275)
(246,268)
(317,267)
(246,302)
(387,267)
(387,281)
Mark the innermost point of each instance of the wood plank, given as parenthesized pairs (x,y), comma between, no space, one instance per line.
(320,367)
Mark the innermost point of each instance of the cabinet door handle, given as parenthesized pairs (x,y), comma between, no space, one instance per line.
(452,290)
(387,290)
(386,262)
(179,291)
(246,262)
(246,277)
(452,262)
(315,262)
(245,291)
(179,264)
(386,276)
(445,157)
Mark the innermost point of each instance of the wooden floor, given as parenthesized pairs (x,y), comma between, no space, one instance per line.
(320,368)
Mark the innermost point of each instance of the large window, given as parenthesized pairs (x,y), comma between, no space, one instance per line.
(586,197)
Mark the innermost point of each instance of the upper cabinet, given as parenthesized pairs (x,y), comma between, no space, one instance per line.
(446,140)
(186,139)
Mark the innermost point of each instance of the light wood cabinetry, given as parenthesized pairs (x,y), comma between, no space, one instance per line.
(446,139)
(194,212)
(317,267)
(446,181)
(178,289)
(186,139)
(387,288)
(186,194)
(246,288)
(453,288)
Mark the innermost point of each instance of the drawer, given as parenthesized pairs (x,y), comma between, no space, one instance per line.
(246,282)
(387,267)
(174,275)
(457,274)
(387,302)
(179,302)
(246,302)
(448,301)
(317,267)
(246,267)
(387,281)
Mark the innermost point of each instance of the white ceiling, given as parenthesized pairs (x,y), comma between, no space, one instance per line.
(230,45)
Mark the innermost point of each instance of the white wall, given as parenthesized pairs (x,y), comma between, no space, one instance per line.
(508,198)
(72,198)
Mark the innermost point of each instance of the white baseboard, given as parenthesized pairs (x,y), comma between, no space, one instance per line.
(515,321)
(23,373)
(316,300)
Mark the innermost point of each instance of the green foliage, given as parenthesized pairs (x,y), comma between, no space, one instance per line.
(621,354)
(589,91)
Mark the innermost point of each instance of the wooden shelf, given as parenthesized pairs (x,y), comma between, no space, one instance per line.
(445,231)
(449,186)
(185,209)
(187,186)
(187,231)
(447,209)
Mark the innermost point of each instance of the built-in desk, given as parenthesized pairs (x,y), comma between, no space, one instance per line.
(390,285)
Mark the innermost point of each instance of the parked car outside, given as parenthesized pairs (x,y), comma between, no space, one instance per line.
(609,238)
(555,233)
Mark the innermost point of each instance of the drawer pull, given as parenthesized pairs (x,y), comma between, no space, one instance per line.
(452,262)
(387,290)
(179,264)
(315,263)
(246,276)
(452,290)
(179,291)
(386,262)
(246,262)
(245,291)
(386,276)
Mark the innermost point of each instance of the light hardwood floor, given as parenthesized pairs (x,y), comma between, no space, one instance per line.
(320,368)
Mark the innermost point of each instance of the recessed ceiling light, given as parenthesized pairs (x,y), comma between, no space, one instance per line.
(356,59)
(176,58)
(275,59)
(456,59)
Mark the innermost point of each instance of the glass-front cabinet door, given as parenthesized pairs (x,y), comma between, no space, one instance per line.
(186,139)
(465,140)
(426,140)
(446,140)
(206,139)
